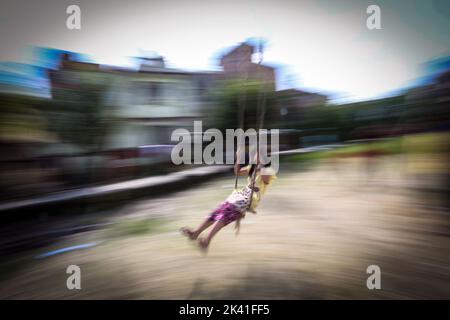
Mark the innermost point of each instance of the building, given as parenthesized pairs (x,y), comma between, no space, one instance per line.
(145,105)
(238,64)
(292,104)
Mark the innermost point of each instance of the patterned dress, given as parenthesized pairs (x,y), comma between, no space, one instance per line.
(233,207)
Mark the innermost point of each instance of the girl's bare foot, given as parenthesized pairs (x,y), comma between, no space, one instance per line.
(188,233)
(203,244)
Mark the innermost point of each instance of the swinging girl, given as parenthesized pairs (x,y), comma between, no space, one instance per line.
(235,206)
(240,201)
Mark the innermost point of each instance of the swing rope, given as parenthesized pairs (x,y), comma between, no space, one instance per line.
(261,108)
(241,105)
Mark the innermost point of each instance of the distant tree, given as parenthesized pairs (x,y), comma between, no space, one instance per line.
(80,118)
(243,101)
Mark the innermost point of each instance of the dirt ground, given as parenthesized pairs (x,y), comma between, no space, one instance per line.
(315,233)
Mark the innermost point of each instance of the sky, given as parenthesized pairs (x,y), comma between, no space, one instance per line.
(320,46)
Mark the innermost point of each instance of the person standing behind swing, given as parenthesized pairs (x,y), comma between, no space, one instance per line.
(235,206)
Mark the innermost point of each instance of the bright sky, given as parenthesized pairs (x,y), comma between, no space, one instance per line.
(322,45)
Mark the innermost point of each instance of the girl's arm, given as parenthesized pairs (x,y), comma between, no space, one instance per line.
(238,170)
(267,175)
(266,179)
(241,171)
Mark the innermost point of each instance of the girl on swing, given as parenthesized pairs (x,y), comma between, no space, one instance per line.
(235,206)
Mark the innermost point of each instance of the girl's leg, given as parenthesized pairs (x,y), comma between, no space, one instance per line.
(205,225)
(193,234)
(204,243)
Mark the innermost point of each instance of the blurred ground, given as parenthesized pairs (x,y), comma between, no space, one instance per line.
(316,232)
